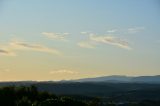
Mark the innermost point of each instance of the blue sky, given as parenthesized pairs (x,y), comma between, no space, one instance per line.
(72,39)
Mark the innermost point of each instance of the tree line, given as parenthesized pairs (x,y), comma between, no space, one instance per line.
(31,96)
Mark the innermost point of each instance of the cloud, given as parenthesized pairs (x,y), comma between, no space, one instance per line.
(20,45)
(111,41)
(55,36)
(6,52)
(94,40)
(4,70)
(7,70)
(84,33)
(63,71)
(86,45)
(66,33)
(112,31)
(135,29)
(11,48)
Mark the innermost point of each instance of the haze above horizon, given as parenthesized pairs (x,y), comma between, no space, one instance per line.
(62,40)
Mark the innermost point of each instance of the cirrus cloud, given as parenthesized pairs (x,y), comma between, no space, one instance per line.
(6,52)
(111,41)
(112,31)
(20,45)
(11,48)
(94,40)
(135,29)
(63,71)
(55,36)
(86,44)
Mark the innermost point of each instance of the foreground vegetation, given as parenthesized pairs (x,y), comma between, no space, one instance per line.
(30,96)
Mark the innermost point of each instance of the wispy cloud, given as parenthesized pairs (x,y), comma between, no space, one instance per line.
(11,48)
(55,36)
(85,32)
(94,39)
(6,70)
(63,71)
(6,52)
(112,31)
(86,44)
(135,29)
(111,41)
(21,45)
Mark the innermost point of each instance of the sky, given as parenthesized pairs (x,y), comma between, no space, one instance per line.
(73,39)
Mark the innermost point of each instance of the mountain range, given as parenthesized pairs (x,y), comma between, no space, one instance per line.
(115,87)
(123,79)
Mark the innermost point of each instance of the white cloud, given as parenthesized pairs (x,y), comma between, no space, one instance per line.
(66,33)
(84,32)
(86,45)
(21,45)
(111,41)
(55,36)
(11,48)
(135,29)
(63,71)
(94,39)
(112,31)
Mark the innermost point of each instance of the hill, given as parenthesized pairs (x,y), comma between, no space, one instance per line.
(118,78)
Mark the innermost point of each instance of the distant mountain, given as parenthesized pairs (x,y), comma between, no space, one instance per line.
(147,79)
(107,87)
(119,78)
